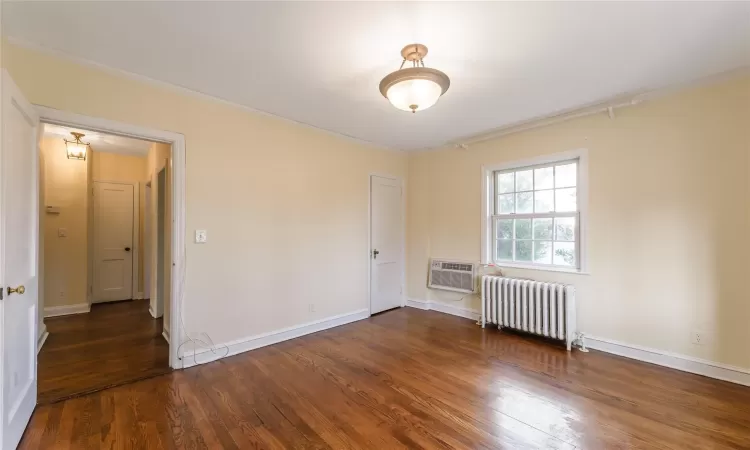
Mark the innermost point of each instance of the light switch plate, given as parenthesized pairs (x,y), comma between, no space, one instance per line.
(200,236)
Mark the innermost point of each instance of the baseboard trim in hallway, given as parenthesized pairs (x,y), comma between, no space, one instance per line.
(66,310)
(43,335)
(191,358)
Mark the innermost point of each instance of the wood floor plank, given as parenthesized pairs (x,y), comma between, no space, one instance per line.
(113,344)
(406,379)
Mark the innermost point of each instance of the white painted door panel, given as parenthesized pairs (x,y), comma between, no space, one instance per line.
(18,263)
(114,208)
(386,250)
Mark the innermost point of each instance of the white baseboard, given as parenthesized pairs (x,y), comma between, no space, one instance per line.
(685,363)
(43,335)
(165,334)
(459,311)
(191,358)
(78,308)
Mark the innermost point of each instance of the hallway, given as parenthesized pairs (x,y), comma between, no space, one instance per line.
(113,344)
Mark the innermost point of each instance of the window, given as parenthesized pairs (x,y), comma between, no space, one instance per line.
(533,214)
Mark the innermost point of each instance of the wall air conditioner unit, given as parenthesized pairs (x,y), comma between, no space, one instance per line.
(452,276)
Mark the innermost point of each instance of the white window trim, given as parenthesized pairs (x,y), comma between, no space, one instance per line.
(582,194)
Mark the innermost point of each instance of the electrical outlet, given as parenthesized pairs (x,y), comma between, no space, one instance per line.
(62,294)
(698,338)
(311,307)
(62,232)
(201,236)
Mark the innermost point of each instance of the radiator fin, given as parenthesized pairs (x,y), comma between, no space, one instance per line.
(545,309)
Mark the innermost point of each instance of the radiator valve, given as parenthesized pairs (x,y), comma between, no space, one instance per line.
(581,342)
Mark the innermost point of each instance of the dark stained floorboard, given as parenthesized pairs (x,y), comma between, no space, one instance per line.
(407,379)
(113,344)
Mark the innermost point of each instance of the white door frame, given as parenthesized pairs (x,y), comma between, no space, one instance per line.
(369,237)
(145,187)
(65,118)
(135,294)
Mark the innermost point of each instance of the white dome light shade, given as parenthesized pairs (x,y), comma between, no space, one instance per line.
(414,88)
(414,95)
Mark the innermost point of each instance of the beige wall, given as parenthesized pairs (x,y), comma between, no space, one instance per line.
(65,258)
(285,205)
(118,167)
(669,208)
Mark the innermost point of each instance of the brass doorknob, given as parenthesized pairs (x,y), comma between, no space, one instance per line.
(18,290)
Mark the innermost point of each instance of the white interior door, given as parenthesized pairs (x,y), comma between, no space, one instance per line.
(386,247)
(18,263)
(114,209)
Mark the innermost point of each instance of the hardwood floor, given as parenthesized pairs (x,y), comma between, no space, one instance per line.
(113,344)
(406,379)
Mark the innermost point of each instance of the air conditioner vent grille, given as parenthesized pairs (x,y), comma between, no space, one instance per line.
(457,266)
(452,276)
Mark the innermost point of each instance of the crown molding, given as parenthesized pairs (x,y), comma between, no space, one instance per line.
(23,43)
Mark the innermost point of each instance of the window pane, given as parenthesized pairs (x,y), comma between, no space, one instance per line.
(524,202)
(565,254)
(565,229)
(504,228)
(543,201)
(565,200)
(566,175)
(523,250)
(504,250)
(523,228)
(505,182)
(543,229)
(504,204)
(524,180)
(543,252)
(543,178)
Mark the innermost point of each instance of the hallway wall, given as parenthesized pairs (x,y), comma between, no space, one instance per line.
(65,261)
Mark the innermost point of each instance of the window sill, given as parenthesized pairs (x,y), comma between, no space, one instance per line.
(541,268)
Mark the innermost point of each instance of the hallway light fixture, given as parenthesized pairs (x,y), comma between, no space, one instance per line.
(77,149)
(417,87)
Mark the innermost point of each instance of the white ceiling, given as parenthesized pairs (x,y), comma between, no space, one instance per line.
(320,63)
(101,142)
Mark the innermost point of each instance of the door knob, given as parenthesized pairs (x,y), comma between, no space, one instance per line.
(19,290)
(127,249)
(375,254)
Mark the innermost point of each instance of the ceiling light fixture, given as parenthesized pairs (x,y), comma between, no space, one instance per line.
(417,87)
(76,149)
